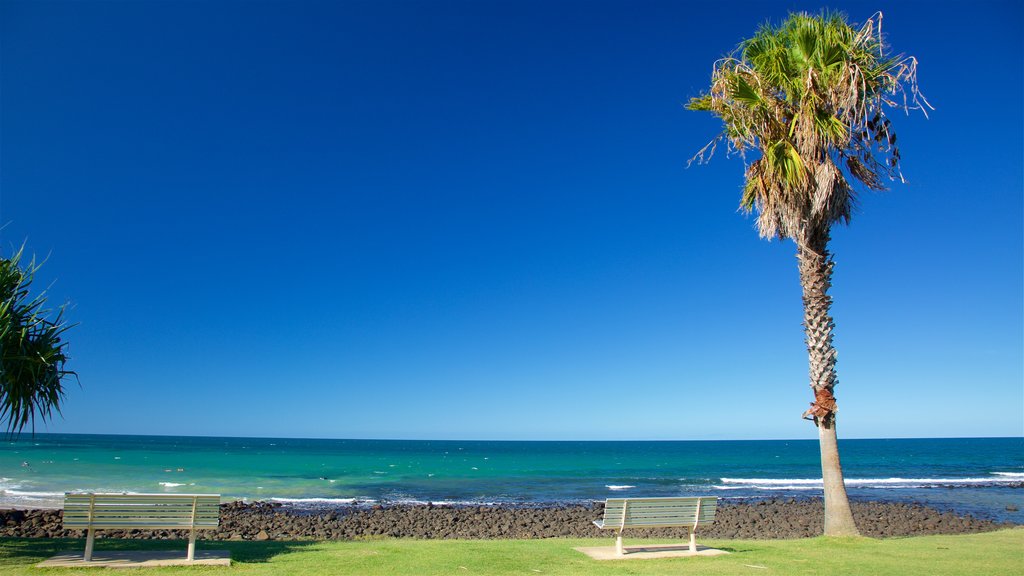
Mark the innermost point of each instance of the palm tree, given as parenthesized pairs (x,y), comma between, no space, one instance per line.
(32,350)
(809,96)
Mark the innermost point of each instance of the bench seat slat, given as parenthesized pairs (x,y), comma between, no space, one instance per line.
(142,526)
(122,517)
(125,518)
(175,508)
(128,506)
(141,515)
(655,505)
(659,511)
(127,502)
(137,497)
(641,526)
(685,506)
(631,513)
(680,520)
(130,496)
(681,509)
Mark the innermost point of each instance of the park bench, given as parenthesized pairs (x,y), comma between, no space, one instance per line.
(622,513)
(143,512)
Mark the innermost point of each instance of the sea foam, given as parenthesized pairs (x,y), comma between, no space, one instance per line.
(815,483)
(317,500)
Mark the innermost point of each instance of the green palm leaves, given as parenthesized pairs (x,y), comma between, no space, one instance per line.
(810,97)
(32,351)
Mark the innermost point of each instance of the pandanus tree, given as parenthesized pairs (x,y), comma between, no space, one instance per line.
(33,351)
(805,104)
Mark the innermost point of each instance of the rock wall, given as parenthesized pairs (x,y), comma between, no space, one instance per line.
(766,519)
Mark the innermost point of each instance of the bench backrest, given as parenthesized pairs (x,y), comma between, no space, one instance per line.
(142,511)
(659,512)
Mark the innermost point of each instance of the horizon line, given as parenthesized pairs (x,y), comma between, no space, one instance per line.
(19,437)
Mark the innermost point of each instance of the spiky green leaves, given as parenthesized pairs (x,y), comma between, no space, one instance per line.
(784,164)
(32,350)
(809,96)
(743,92)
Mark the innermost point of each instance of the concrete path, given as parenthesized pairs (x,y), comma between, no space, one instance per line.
(137,559)
(650,551)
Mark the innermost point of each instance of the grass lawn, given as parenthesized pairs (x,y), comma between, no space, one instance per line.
(996,553)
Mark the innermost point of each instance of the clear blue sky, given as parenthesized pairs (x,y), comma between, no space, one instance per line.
(412,219)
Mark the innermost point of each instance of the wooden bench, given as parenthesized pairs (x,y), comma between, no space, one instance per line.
(622,513)
(141,511)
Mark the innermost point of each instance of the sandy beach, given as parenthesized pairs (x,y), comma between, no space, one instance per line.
(764,519)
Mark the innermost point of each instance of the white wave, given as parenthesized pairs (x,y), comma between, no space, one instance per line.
(773,487)
(171,484)
(31,499)
(812,483)
(1014,475)
(618,486)
(418,502)
(28,494)
(771,481)
(319,500)
(929,481)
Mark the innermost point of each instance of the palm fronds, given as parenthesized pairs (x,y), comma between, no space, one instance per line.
(33,352)
(810,97)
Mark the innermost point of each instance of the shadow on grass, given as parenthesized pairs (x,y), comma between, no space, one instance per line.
(730,549)
(22,551)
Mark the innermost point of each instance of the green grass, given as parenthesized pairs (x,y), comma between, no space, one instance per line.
(997,553)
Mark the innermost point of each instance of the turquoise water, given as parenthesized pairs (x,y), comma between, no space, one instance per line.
(983,476)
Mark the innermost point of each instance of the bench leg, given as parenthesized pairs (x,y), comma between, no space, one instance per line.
(191,546)
(90,537)
(693,542)
(618,544)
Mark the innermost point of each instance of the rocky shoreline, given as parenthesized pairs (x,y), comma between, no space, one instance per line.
(763,519)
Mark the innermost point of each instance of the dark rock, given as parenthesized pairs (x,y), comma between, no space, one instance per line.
(764,519)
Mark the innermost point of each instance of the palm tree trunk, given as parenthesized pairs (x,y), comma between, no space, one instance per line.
(816,278)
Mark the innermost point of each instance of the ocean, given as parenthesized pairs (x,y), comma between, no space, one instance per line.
(980,476)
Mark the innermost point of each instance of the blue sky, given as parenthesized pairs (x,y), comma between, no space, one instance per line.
(459,220)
